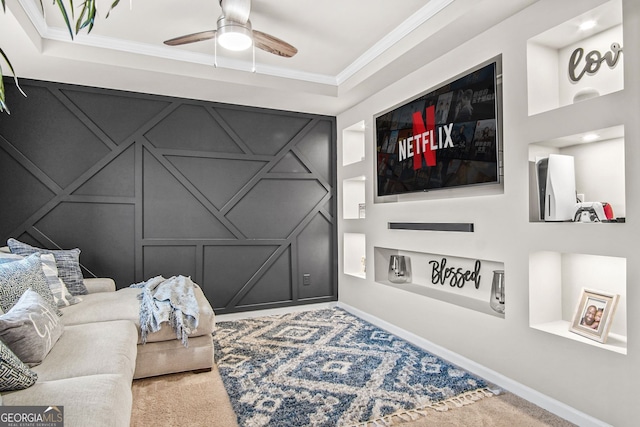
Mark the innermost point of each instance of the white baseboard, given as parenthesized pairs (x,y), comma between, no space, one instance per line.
(552,405)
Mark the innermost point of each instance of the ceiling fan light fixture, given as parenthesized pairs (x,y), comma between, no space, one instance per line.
(233,35)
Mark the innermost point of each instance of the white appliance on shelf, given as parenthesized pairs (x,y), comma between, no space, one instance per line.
(556,187)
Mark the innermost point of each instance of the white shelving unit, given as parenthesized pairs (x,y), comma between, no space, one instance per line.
(354,254)
(353,190)
(555,284)
(549,54)
(354,248)
(590,149)
(353,144)
(568,117)
(421,283)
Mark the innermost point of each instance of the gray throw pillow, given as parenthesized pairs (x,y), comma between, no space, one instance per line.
(61,295)
(67,261)
(18,276)
(5,257)
(30,328)
(14,375)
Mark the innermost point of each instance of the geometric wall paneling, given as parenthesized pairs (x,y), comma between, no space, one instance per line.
(315,251)
(192,127)
(217,179)
(263,132)
(170,211)
(229,268)
(117,116)
(289,164)
(116,179)
(15,181)
(103,231)
(281,204)
(328,208)
(316,146)
(169,261)
(239,198)
(49,135)
(273,285)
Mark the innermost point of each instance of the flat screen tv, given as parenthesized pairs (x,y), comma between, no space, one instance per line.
(445,138)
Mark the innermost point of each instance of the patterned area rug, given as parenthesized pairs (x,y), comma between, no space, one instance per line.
(329,368)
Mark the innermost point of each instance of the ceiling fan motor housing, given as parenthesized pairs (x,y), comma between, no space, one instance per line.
(233,35)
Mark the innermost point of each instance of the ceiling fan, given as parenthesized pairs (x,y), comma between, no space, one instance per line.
(234,32)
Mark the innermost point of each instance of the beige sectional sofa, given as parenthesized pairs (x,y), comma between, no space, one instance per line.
(162,353)
(88,372)
(90,368)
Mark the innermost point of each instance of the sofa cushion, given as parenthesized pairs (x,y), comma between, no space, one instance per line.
(90,349)
(97,400)
(14,375)
(30,328)
(99,284)
(67,261)
(18,276)
(124,304)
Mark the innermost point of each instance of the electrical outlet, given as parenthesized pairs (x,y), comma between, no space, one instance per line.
(306,279)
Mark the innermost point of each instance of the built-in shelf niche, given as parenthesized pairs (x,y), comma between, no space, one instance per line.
(421,283)
(353,195)
(599,157)
(549,56)
(354,254)
(353,144)
(556,281)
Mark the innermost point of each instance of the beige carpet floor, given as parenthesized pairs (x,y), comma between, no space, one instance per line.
(200,400)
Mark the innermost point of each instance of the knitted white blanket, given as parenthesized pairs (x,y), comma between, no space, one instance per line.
(169,300)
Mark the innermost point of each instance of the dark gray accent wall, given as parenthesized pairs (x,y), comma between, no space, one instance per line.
(241,199)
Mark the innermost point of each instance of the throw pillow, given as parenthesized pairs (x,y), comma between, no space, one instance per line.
(5,258)
(30,328)
(67,261)
(14,375)
(18,276)
(61,295)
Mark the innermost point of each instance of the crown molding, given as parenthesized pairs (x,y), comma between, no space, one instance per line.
(36,17)
(427,12)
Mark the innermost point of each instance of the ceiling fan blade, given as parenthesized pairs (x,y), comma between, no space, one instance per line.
(191,38)
(272,44)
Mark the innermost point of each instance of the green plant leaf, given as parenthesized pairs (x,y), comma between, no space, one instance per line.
(3,104)
(6,59)
(87,16)
(113,5)
(65,15)
(85,20)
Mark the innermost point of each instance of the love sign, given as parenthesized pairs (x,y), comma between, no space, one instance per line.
(581,64)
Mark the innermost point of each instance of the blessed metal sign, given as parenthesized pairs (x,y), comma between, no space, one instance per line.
(456,277)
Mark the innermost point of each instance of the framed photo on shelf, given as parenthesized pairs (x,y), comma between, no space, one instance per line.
(594,314)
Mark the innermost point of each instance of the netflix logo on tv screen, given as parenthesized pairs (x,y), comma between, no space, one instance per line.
(446,138)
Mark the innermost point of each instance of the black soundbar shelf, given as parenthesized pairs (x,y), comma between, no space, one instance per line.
(433,226)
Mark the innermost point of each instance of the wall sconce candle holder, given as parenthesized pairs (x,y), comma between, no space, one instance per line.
(497,291)
(398,269)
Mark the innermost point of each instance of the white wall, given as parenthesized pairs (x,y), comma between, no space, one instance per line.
(590,378)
